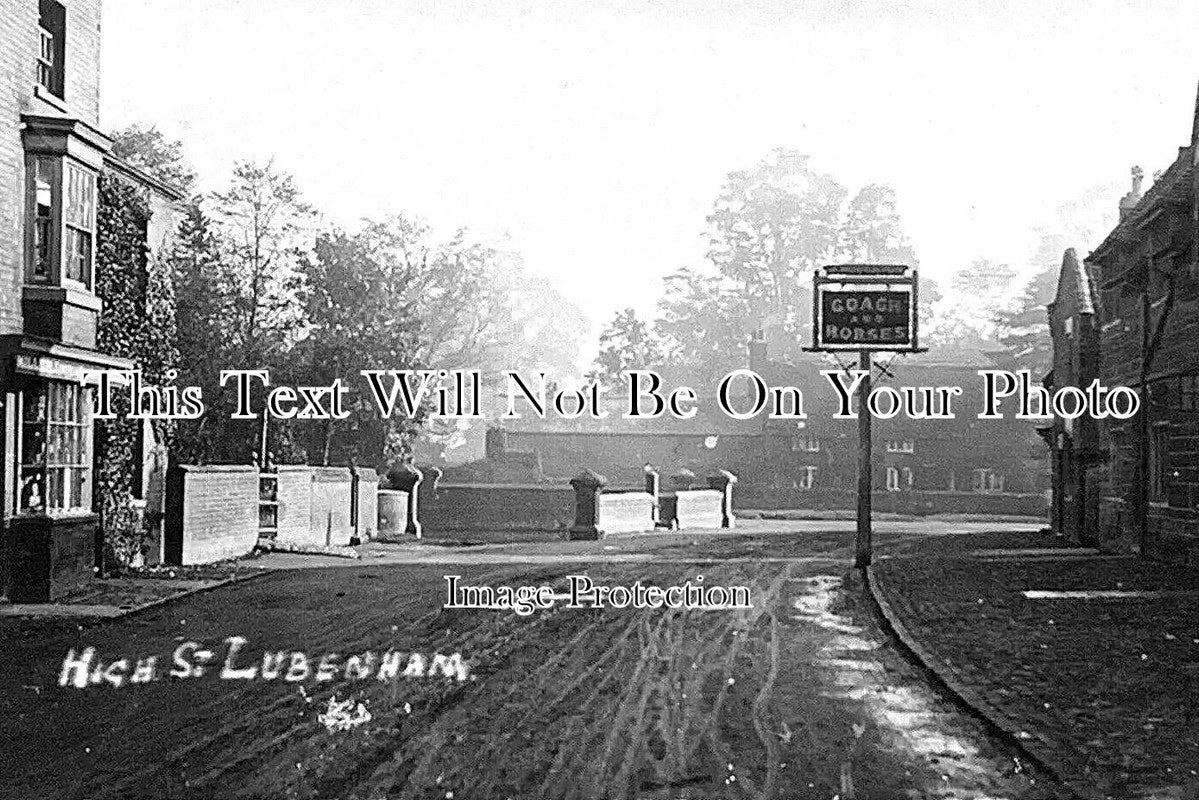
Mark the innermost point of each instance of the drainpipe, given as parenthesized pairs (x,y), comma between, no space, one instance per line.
(1143,424)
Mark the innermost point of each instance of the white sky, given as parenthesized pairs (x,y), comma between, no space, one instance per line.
(596,134)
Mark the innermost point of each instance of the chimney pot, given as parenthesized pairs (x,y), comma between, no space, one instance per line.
(1129,201)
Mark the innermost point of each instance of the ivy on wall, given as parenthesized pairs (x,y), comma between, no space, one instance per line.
(137,322)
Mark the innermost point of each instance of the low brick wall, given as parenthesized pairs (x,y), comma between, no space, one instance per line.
(626,512)
(392,515)
(698,508)
(1173,533)
(211,513)
(497,507)
(920,503)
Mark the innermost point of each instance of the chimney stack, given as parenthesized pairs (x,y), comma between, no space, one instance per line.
(1129,201)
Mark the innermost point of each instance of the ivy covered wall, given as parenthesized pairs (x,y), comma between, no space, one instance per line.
(138,323)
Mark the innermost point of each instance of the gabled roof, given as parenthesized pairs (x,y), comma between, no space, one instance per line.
(1174,187)
(1075,291)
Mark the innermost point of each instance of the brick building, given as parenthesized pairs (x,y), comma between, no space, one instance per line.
(52,154)
(1147,274)
(1078,453)
(921,465)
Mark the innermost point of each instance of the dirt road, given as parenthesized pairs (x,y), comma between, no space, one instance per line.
(801,696)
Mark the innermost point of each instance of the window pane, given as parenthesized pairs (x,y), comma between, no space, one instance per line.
(55,469)
(78,488)
(33,491)
(43,217)
(79,255)
(54,488)
(34,405)
(33,444)
(81,197)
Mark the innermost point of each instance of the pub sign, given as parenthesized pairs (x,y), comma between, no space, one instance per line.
(865,307)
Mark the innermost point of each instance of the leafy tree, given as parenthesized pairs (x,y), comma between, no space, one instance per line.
(871,233)
(929,301)
(770,226)
(625,343)
(1081,224)
(361,314)
(704,323)
(203,309)
(984,281)
(238,297)
(264,227)
(474,307)
(552,327)
(148,150)
(1024,330)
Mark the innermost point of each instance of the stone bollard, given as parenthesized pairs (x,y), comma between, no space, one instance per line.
(722,481)
(682,480)
(588,486)
(653,487)
(407,478)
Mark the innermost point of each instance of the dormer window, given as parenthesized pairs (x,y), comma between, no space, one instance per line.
(52,30)
(62,221)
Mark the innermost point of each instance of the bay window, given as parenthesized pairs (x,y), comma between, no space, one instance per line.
(56,454)
(62,221)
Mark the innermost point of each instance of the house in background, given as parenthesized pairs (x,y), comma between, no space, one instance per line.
(1147,274)
(52,155)
(921,465)
(1078,454)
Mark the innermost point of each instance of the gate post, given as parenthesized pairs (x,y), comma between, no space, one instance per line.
(722,481)
(588,486)
(407,478)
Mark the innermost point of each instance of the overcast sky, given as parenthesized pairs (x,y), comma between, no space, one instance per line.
(596,134)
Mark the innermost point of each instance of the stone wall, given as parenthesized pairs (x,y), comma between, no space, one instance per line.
(315,506)
(910,502)
(627,512)
(697,508)
(497,507)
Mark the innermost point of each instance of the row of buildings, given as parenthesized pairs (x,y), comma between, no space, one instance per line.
(962,464)
(53,158)
(1128,315)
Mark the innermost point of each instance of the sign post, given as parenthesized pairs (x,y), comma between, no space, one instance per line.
(865,308)
(863,545)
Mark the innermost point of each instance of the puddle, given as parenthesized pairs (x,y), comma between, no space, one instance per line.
(909,718)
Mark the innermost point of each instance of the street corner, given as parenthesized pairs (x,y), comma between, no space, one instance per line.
(1085,660)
